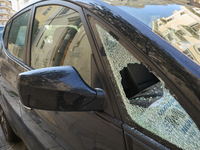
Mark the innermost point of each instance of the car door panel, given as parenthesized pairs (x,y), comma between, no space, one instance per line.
(76,130)
(10,100)
(10,67)
(8,83)
(84,130)
(80,130)
(138,140)
(28,129)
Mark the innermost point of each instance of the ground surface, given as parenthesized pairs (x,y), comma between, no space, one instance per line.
(4,145)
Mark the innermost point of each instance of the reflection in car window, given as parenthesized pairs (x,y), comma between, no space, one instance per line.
(59,39)
(177,24)
(17,35)
(182,30)
(146,100)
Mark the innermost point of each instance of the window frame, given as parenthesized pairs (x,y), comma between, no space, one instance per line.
(78,12)
(15,59)
(5,41)
(107,82)
(140,56)
(46,3)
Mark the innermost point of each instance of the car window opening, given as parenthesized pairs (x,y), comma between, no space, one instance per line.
(136,78)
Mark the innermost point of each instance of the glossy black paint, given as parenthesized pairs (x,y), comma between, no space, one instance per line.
(58,89)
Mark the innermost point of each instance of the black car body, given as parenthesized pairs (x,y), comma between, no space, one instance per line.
(92,75)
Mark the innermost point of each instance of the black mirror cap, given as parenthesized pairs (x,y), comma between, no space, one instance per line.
(58,89)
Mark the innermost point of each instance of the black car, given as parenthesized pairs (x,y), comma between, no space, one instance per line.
(91,74)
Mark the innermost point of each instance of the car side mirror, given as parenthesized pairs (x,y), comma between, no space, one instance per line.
(58,89)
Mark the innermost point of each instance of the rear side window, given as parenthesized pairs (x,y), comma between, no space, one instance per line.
(17,35)
(59,39)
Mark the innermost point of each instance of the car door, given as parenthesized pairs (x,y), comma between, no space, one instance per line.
(60,37)
(153,117)
(12,63)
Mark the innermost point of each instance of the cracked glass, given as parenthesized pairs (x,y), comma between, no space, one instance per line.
(145,98)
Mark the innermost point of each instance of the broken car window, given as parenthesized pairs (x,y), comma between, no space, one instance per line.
(146,100)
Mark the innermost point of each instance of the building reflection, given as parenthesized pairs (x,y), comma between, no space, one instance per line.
(143,3)
(137,3)
(52,24)
(182,30)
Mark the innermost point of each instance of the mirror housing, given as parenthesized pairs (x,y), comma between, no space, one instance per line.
(58,89)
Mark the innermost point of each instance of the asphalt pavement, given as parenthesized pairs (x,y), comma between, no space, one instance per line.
(4,145)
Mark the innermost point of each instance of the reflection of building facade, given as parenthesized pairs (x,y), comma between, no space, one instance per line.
(53,21)
(136,3)
(5,11)
(47,13)
(143,3)
(182,30)
(22,3)
(197,1)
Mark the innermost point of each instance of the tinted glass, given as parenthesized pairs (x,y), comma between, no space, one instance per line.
(17,35)
(145,98)
(59,39)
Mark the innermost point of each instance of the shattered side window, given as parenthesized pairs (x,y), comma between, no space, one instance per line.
(146,100)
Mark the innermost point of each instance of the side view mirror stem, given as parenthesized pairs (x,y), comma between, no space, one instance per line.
(97,103)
